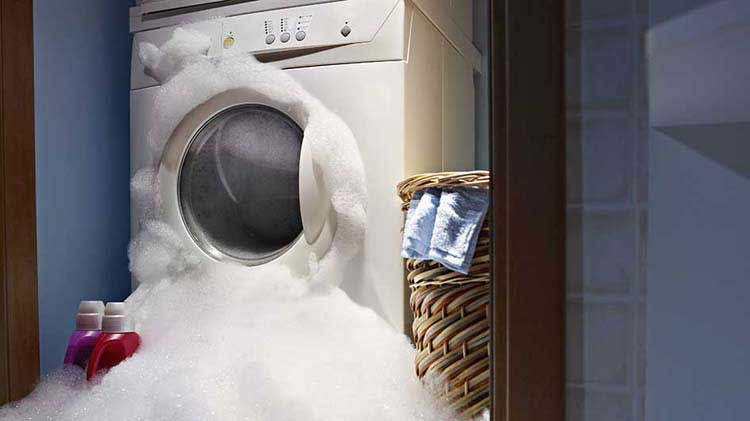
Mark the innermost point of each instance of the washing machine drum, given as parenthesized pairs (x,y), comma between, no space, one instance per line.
(240,182)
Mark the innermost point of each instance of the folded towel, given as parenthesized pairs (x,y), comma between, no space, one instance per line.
(457,224)
(420,221)
(444,225)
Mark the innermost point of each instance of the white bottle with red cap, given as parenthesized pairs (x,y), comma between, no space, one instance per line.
(117,342)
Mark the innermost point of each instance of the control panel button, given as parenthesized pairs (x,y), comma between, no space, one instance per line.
(300,35)
(346,30)
(285,37)
(270,39)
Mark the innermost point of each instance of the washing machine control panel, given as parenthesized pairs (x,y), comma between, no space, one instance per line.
(326,24)
(284,31)
(301,27)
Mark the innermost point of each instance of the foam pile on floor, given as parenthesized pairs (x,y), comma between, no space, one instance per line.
(229,343)
(267,348)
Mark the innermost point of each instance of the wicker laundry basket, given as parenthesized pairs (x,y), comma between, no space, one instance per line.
(451,328)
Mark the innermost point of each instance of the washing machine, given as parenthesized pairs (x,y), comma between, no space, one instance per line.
(400,74)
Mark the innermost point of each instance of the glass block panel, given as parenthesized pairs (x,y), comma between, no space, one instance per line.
(642,160)
(640,413)
(606,9)
(574,166)
(641,346)
(598,406)
(643,254)
(573,71)
(642,7)
(608,67)
(607,219)
(574,250)
(607,155)
(641,69)
(599,343)
(609,255)
(573,12)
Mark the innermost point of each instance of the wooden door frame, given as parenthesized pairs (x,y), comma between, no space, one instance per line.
(19,316)
(528,216)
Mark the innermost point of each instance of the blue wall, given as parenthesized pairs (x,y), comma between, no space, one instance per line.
(698,363)
(698,258)
(82,53)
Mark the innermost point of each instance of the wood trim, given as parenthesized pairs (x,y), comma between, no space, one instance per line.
(18,202)
(498,227)
(528,170)
(4,386)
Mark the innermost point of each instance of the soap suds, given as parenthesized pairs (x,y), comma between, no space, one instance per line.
(230,346)
(229,342)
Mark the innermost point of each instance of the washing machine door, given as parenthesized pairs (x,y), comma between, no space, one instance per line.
(241,183)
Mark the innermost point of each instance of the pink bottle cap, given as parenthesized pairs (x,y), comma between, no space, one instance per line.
(89,315)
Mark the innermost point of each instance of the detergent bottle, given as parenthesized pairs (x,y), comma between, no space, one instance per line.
(88,330)
(117,342)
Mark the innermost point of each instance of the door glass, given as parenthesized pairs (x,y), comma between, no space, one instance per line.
(239,184)
(658,164)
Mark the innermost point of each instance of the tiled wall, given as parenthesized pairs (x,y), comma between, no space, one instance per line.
(607,164)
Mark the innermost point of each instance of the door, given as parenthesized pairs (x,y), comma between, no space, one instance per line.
(238,184)
(528,210)
(19,327)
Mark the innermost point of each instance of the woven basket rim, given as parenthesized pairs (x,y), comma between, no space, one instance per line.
(407,187)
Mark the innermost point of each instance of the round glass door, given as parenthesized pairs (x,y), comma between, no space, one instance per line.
(239,184)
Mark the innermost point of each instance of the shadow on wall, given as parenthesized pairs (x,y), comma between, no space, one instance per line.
(699,65)
(726,144)
(81,53)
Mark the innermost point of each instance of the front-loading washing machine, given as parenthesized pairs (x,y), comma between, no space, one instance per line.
(398,72)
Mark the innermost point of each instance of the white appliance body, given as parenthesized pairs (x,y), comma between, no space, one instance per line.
(404,88)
